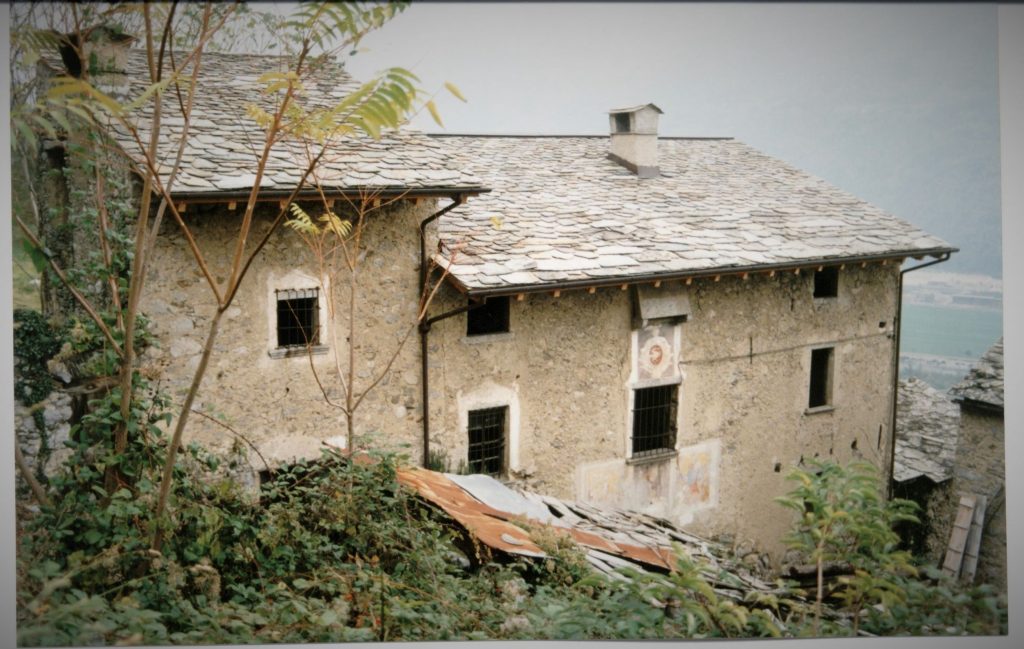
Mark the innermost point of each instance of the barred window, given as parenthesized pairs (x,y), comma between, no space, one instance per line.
(487,440)
(654,419)
(298,317)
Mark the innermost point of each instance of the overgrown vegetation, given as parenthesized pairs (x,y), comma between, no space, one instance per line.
(35,342)
(335,550)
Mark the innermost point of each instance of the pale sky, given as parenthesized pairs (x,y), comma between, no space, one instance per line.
(896,104)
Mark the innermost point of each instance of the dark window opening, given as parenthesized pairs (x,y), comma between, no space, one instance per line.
(826,282)
(487,440)
(297,318)
(654,420)
(622,123)
(821,378)
(489,318)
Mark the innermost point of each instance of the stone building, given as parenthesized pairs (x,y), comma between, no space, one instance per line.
(927,424)
(980,469)
(656,323)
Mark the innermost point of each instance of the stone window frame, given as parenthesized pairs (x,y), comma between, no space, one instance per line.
(485,396)
(827,403)
(296,281)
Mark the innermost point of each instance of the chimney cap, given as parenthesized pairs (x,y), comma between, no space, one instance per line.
(634,109)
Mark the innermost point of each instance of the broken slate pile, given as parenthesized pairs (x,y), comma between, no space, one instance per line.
(501,517)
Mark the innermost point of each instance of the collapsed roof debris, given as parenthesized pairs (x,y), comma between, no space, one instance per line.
(489,510)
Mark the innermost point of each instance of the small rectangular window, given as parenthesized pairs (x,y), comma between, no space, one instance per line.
(826,282)
(622,122)
(821,378)
(298,318)
(487,440)
(654,419)
(489,318)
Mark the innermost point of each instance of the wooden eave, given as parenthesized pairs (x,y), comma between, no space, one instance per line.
(624,281)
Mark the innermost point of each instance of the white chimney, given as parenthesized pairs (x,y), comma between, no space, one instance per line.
(634,135)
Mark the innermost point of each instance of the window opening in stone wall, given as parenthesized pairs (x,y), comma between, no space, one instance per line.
(487,440)
(826,282)
(298,317)
(622,122)
(654,420)
(489,318)
(821,378)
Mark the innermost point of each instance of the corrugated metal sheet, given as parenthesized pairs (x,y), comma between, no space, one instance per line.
(486,507)
(486,524)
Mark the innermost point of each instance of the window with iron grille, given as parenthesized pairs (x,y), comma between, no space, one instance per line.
(821,378)
(489,318)
(654,419)
(298,317)
(487,440)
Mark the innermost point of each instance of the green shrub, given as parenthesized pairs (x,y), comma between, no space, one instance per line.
(35,342)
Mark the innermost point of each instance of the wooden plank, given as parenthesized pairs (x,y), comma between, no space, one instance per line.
(958,536)
(972,551)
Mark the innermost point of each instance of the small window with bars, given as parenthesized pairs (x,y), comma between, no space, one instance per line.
(298,312)
(487,440)
(654,420)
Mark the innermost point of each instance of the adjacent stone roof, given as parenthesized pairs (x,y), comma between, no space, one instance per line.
(927,424)
(560,211)
(225,142)
(984,383)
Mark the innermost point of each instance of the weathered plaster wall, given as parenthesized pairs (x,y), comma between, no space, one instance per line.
(744,359)
(981,470)
(566,371)
(276,402)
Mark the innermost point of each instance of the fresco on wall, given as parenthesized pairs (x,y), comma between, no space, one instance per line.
(656,358)
(697,480)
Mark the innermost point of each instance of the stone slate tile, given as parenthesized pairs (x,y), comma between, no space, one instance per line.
(224,139)
(717,204)
(927,426)
(984,383)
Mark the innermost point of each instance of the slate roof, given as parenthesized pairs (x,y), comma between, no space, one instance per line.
(927,424)
(225,143)
(560,211)
(984,383)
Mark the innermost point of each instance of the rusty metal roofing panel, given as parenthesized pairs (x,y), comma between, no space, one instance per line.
(493,526)
(484,523)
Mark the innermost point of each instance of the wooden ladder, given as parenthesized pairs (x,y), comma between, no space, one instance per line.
(965,539)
